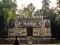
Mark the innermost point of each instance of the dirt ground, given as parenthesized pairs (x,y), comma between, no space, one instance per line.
(32,44)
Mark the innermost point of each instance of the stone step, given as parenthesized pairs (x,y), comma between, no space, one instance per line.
(25,41)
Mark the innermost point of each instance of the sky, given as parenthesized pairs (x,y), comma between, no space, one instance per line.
(37,3)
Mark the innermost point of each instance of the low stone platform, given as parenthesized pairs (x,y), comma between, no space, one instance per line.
(25,41)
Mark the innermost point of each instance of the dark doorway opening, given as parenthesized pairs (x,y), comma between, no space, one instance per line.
(29,31)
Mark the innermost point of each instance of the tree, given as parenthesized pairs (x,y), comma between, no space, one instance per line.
(6,14)
(31,9)
(45,4)
(58,3)
(50,14)
(45,7)
(27,11)
(24,12)
(58,21)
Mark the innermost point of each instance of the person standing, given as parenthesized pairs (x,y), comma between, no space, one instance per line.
(16,41)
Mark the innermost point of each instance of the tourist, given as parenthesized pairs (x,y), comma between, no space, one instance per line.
(16,41)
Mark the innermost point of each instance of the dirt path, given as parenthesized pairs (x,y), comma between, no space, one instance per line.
(33,44)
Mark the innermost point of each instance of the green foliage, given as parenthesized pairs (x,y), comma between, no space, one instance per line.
(58,3)
(57,23)
(45,4)
(7,2)
(6,13)
(27,11)
(58,15)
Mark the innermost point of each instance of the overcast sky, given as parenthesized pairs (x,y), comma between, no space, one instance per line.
(36,3)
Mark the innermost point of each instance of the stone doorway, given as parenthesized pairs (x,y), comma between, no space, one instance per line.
(29,31)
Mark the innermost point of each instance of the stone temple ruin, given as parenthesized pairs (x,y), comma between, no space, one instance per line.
(36,27)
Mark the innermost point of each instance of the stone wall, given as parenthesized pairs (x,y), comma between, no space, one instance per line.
(41,28)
